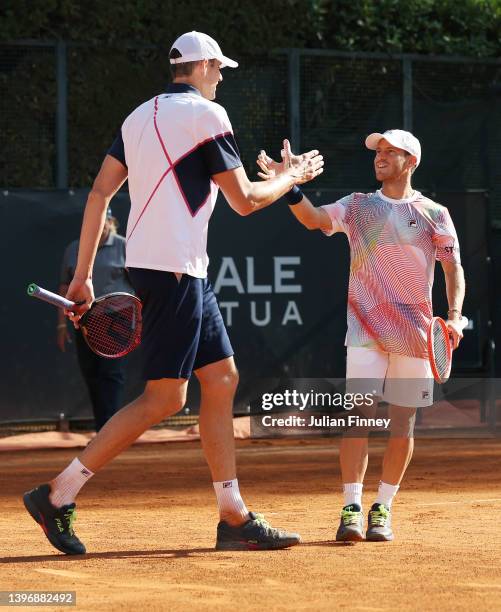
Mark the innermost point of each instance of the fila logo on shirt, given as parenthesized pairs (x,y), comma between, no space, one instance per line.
(413,223)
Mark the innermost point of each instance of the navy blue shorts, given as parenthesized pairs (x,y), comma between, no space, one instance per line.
(183,329)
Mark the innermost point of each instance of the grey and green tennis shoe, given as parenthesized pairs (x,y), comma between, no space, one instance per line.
(351,524)
(255,534)
(57,523)
(379,528)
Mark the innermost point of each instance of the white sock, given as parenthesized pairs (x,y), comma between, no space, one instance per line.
(65,487)
(386,493)
(229,499)
(352,492)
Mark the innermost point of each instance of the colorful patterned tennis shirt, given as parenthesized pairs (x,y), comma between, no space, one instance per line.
(394,245)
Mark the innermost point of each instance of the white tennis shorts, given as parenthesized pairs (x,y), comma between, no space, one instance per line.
(396,379)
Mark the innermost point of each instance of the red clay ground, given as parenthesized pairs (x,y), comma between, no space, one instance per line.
(149,520)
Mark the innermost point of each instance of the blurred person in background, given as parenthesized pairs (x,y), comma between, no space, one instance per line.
(105,378)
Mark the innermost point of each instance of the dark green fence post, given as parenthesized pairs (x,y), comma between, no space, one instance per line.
(293,99)
(407,93)
(61,116)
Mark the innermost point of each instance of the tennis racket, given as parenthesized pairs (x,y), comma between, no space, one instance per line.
(440,348)
(112,325)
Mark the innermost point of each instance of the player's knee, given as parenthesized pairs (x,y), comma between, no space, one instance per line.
(230,379)
(358,421)
(220,380)
(225,384)
(161,403)
(174,404)
(402,422)
(168,407)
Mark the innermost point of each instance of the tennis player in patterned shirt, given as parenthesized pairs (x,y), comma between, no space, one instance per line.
(395,236)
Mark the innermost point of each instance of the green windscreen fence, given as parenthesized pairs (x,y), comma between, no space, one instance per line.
(343,100)
(28,104)
(324,100)
(282,292)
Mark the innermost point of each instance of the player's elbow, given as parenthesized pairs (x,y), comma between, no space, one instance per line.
(245,204)
(97,196)
(241,201)
(244,209)
(309,223)
(452,269)
(247,209)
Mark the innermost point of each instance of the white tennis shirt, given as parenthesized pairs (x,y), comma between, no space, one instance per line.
(171,146)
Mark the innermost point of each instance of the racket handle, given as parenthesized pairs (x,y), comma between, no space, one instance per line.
(463,322)
(47,296)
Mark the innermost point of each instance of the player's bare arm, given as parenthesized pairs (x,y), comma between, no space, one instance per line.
(307,214)
(455,287)
(110,178)
(311,217)
(246,197)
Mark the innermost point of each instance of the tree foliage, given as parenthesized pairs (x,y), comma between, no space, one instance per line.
(459,27)
(109,77)
(465,27)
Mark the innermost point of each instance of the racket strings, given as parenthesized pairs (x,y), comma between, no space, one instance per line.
(113,326)
(441,351)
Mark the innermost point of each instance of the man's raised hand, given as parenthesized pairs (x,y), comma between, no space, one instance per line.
(302,168)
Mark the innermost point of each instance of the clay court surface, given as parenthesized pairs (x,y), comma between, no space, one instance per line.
(149,519)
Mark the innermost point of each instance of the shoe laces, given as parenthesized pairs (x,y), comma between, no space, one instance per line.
(380,516)
(349,517)
(263,523)
(70,515)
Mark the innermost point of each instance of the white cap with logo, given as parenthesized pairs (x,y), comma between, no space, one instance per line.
(196,46)
(398,138)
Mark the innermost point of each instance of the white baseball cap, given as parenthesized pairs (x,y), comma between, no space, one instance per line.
(196,46)
(398,138)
